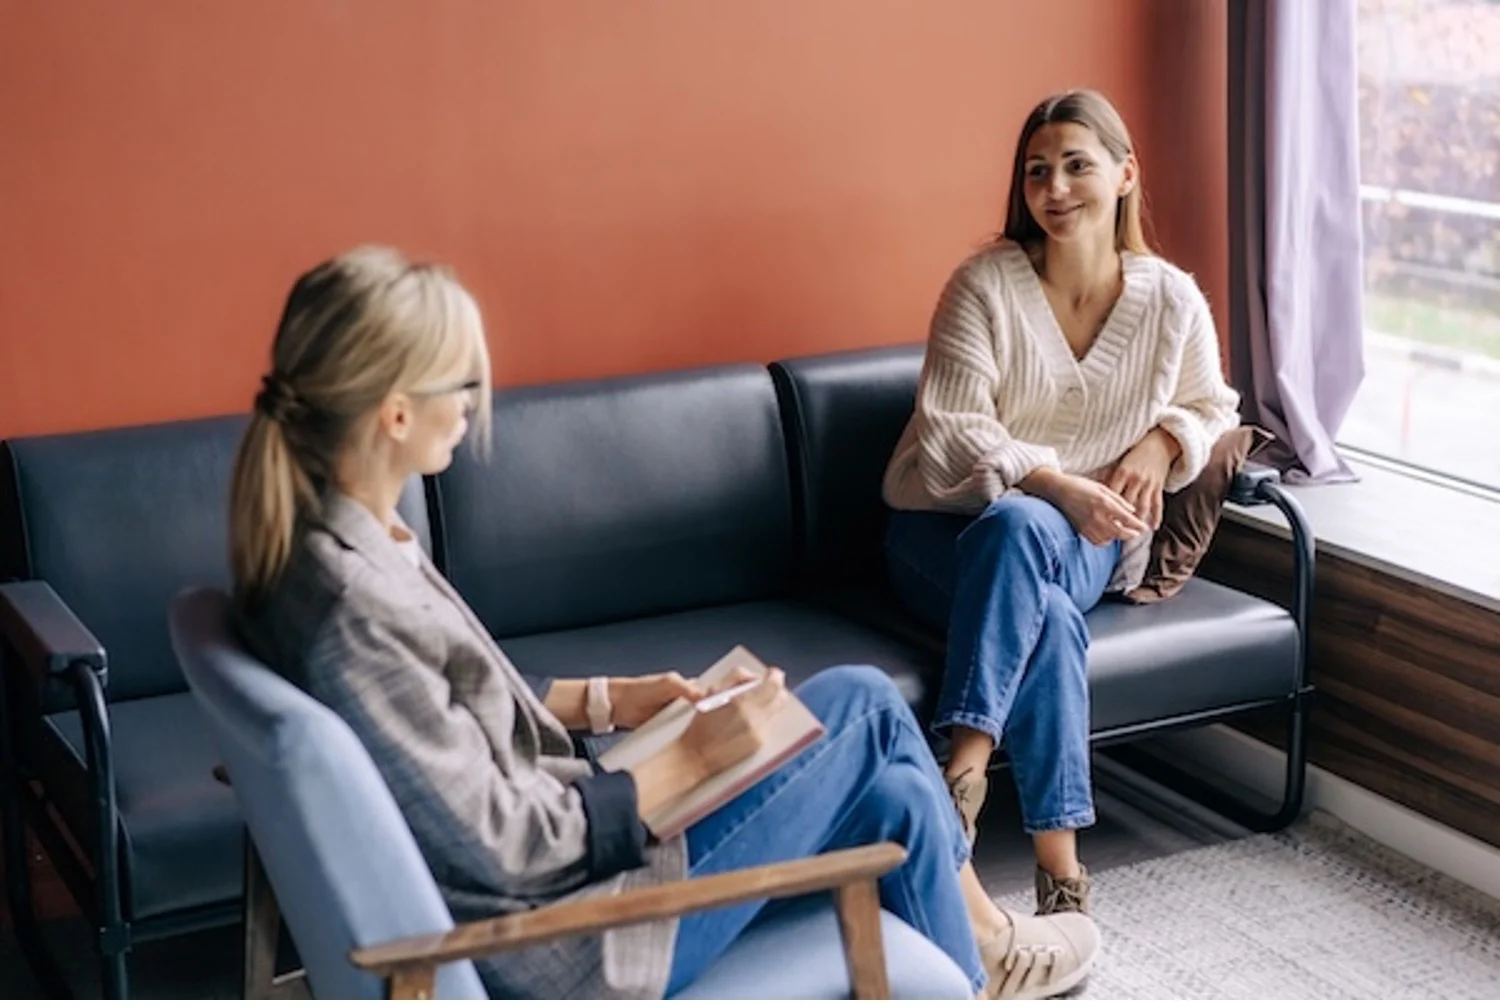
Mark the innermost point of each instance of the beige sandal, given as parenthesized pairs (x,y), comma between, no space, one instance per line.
(1039,957)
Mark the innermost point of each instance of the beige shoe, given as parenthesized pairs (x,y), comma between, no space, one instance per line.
(1039,957)
(1065,895)
(967,791)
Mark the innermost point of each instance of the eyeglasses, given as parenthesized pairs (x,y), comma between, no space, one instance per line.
(470,390)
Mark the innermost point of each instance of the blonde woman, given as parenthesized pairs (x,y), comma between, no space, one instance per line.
(1071,377)
(378,368)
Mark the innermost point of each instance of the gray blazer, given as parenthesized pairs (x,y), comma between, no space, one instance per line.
(481,769)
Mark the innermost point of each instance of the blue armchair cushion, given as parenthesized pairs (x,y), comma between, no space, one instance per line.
(793,952)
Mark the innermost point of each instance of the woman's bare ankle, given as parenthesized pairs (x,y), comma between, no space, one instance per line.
(1066,871)
(969,750)
(1057,853)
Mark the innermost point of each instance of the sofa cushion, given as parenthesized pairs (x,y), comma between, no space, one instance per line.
(116,521)
(1205,649)
(1208,647)
(181,843)
(801,639)
(793,952)
(843,414)
(612,499)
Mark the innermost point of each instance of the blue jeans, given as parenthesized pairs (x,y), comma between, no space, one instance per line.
(1011,587)
(871,778)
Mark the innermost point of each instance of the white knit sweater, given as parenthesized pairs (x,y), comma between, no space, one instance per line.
(1001,393)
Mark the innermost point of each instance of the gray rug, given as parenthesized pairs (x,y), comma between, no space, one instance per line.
(1316,912)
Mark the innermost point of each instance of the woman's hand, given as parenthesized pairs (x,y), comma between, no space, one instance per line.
(1140,475)
(722,737)
(714,741)
(637,700)
(1098,513)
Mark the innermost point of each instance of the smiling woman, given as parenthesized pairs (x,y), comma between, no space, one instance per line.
(1071,378)
(1072,147)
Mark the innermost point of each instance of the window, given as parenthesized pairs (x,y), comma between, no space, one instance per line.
(1429,114)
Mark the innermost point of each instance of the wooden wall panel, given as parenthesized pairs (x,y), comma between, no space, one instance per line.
(1408,681)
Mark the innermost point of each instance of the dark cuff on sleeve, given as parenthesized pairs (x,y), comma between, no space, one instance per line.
(617,837)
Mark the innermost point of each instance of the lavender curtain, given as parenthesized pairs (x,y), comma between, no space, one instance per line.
(1297,333)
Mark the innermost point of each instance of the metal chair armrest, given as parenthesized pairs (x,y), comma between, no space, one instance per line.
(45,634)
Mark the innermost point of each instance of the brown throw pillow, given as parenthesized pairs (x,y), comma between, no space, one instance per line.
(1190,517)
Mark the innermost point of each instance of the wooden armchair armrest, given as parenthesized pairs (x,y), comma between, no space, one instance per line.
(410,964)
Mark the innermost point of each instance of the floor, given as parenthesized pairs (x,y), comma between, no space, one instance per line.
(1137,821)
(1134,826)
(1315,912)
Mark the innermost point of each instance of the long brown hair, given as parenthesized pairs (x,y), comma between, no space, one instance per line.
(354,329)
(1091,109)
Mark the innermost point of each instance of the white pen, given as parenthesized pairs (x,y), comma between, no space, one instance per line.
(716,700)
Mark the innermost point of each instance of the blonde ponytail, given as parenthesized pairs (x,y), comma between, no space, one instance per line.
(269,491)
(353,330)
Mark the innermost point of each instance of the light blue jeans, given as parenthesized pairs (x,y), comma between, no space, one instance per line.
(871,778)
(1011,587)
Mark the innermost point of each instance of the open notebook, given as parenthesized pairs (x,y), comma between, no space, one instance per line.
(791,730)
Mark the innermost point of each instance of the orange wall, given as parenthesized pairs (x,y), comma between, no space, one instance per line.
(626,184)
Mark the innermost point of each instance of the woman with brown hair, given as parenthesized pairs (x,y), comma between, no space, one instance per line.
(377,369)
(1071,377)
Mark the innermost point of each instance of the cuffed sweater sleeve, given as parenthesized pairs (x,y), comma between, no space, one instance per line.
(1203,406)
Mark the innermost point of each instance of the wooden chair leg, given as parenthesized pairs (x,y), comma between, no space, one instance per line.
(414,983)
(262,928)
(262,934)
(858,907)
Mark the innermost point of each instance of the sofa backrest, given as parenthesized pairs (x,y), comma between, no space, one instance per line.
(611,499)
(843,414)
(344,865)
(117,521)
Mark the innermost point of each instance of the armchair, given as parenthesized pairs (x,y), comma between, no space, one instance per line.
(324,828)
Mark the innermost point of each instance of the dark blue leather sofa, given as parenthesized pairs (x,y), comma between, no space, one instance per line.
(621,526)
